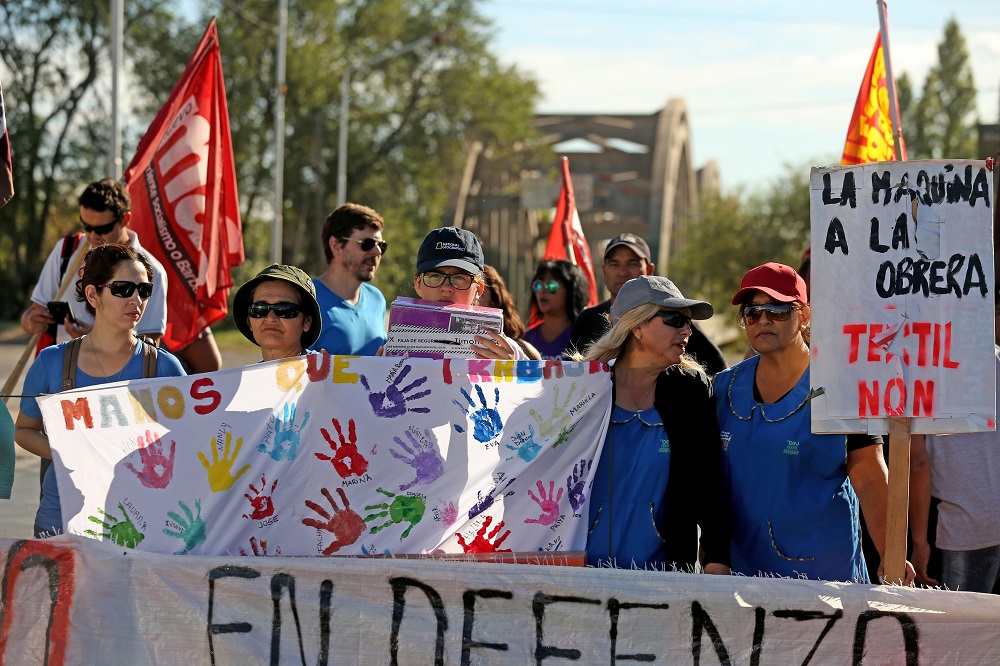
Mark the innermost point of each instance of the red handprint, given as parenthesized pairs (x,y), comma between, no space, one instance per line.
(261,549)
(484,543)
(157,469)
(263,505)
(345,524)
(347,460)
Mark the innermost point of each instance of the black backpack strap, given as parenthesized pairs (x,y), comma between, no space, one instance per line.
(148,359)
(70,243)
(70,355)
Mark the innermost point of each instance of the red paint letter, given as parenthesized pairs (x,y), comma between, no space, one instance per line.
(874,351)
(78,409)
(923,397)
(900,407)
(867,399)
(214,397)
(948,363)
(318,366)
(855,331)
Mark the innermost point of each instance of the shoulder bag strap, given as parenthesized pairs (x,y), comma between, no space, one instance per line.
(148,360)
(70,355)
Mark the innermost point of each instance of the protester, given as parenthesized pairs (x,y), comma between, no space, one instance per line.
(495,295)
(794,495)
(659,476)
(559,293)
(450,270)
(353,311)
(115,286)
(626,257)
(278,312)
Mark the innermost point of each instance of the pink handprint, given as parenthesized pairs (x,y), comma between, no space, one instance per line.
(483,543)
(260,550)
(345,524)
(263,505)
(550,506)
(448,512)
(157,469)
(347,460)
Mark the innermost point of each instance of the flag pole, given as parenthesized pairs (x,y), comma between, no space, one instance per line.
(897,143)
(568,219)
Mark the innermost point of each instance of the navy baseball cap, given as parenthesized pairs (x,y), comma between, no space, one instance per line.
(451,246)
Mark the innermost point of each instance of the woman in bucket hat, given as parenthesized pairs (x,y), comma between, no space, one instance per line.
(659,478)
(278,312)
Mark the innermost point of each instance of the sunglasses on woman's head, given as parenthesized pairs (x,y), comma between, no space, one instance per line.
(367,244)
(751,314)
(673,318)
(101,229)
(125,289)
(550,286)
(260,309)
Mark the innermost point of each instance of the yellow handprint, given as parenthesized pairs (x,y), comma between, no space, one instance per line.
(220,475)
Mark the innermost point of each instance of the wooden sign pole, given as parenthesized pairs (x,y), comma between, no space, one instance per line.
(894,566)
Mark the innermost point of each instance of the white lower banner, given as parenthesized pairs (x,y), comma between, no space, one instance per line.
(72,600)
(322,455)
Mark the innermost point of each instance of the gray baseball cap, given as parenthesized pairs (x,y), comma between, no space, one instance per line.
(659,290)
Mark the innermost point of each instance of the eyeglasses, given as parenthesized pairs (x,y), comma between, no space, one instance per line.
(101,229)
(259,310)
(125,289)
(460,281)
(673,318)
(751,314)
(368,243)
(551,286)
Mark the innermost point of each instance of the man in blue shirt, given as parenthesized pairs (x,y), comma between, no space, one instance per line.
(353,310)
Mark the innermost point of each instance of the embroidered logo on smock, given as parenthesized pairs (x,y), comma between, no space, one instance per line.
(664,445)
(725,436)
(791,448)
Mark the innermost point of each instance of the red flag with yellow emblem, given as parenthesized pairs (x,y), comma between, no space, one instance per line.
(869,138)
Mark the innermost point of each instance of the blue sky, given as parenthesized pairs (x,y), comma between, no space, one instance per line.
(765,82)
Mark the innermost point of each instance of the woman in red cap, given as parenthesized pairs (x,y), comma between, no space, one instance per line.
(794,496)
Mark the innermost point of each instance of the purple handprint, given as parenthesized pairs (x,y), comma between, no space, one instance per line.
(575,483)
(549,505)
(486,502)
(486,419)
(157,469)
(424,458)
(528,449)
(393,401)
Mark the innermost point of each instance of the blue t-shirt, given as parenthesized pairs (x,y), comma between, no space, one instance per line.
(45,376)
(548,350)
(353,330)
(629,493)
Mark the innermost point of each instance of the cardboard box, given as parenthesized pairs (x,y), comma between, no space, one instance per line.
(429,329)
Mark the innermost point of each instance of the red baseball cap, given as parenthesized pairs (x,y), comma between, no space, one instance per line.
(778,281)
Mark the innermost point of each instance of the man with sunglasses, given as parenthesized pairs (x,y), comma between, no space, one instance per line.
(353,310)
(105,213)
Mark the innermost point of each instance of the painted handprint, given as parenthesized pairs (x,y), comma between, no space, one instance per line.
(555,424)
(486,502)
(220,476)
(394,401)
(528,449)
(575,483)
(486,420)
(347,460)
(345,524)
(122,532)
(259,549)
(157,469)
(548,504)
(404,508)
(190,529)
(261,502)
(423,456)
(286,435)
(448,512)
(482,542)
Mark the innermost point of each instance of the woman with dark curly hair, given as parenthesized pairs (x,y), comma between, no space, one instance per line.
(559,294)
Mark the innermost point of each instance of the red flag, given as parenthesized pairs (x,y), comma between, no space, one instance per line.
(869,137)
(566,239)
(6,166)
(184,203)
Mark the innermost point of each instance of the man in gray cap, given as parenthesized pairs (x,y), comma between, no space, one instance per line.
(626,257)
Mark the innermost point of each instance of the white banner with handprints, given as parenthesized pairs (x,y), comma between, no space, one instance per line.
(323,455)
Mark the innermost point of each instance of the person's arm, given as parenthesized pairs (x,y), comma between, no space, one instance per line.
(29,436)
(920,506)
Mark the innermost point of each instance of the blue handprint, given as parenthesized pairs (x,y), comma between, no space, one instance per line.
(575,483)
(192,530)
(528,449)
(486,419)
(286,435)
(393,401)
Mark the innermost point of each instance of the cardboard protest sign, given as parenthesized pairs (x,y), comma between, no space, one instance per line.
(902,297)
(321,455)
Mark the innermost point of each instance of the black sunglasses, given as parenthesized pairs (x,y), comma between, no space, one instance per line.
(673,318)
(101,229)
(125,289)
(367,244)
(751,314)
(260,309)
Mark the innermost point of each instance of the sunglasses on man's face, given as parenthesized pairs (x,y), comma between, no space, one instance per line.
(673,318)
(751,314)
(550,286)
(259,310)
(368,244)
(101,229)
(125,289)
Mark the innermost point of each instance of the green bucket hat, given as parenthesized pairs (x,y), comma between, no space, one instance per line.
(293,276)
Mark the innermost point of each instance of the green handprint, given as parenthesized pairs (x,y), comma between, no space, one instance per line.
(404,508)
(192,530)
(122,532)
(556,423)
(220,476)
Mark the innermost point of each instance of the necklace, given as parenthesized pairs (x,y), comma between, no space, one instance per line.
(639,405)
(100,365)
